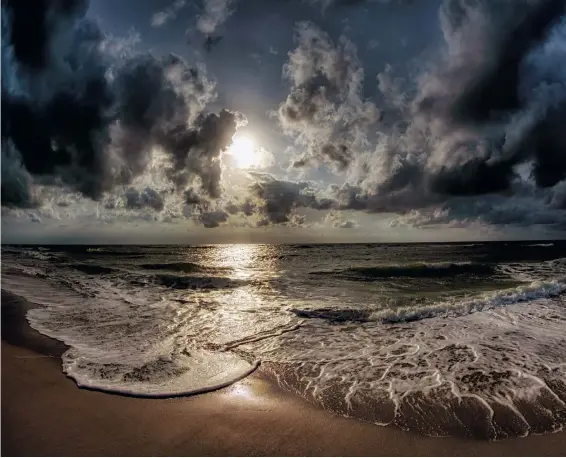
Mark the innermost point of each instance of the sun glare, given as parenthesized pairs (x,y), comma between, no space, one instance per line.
(244,152)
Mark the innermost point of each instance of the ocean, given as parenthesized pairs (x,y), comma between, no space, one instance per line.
(463,339)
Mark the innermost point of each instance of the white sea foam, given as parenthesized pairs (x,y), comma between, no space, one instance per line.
(486,301)
(193,372)
(135,346)
(490,364)
(491,374)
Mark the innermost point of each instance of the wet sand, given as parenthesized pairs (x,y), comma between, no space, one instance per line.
(44,413)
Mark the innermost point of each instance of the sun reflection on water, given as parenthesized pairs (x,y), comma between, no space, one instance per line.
(250,306)
(240,258)
(245,261)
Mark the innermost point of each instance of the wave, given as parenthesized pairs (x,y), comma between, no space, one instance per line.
(181,267)
(451,244)
(112,253)
(488,301)
(118,347)
(26,271)
(542,245)
(532,291)
(31,253)
(91,269)
(195,282)
(433,270)
(488,375)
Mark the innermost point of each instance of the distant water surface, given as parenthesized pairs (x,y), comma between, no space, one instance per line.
(464,339)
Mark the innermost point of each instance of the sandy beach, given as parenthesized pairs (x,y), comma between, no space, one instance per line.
(44,413)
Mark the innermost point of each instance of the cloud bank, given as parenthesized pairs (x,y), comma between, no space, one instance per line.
(476,135)
(86,114)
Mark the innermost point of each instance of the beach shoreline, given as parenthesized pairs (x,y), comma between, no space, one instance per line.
(45,413)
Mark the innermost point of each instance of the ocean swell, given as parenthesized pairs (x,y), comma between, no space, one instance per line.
(455,308)
(432,270)
(532,291)
(92,269)
(196,282)
(187,267)
(437,356)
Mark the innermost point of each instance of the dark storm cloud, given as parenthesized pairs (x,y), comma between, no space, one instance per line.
(159,100)
(494,88)
(490,107)
(31,29)
(488,210)
(190,197)
(246,207)
(277,200)
(502,92)
(197,152)
(521,206)
(452,144)
(16,186)
(147,197)
(325,111)
(97,117)
(62,99)
(213,218)
(477,136)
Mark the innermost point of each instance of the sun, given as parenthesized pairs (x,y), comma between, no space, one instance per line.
(244,152)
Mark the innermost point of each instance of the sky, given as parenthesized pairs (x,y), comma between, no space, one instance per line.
(280,121)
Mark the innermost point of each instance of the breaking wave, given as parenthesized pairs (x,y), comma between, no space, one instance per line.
(535,290)
(432,270)
(455,351)
(456,308)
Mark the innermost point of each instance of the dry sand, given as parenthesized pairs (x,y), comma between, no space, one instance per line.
(44,413)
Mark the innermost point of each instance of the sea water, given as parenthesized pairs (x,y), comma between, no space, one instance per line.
(464,339)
